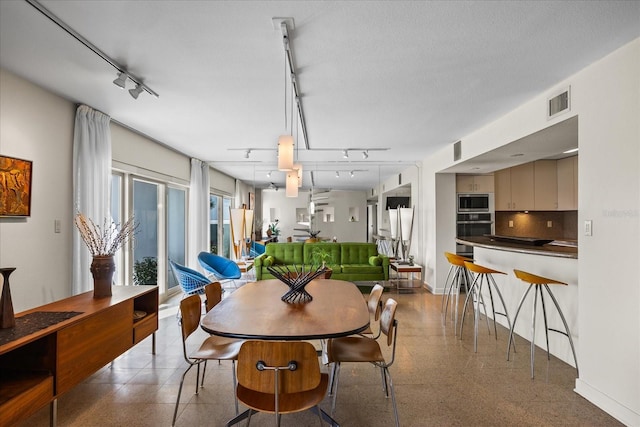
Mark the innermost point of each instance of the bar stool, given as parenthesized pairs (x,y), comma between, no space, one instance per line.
(482,274)
(540,283)
(461,276)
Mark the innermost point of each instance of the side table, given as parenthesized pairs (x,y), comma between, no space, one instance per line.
(405,269)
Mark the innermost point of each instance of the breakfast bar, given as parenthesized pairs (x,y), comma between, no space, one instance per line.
(553,259)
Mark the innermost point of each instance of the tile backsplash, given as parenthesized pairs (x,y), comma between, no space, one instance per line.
(564,224)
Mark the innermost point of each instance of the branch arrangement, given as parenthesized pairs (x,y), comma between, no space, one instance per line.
(296,280)
(105,240)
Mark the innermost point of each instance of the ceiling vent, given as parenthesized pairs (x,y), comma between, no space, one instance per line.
(559,103)
(457,151)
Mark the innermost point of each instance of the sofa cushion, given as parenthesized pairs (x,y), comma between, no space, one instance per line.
(361,269)
(285,253)
(357,253)
(375,260)
(330,248)
(268,261)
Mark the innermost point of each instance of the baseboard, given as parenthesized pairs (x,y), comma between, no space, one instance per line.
(620,412)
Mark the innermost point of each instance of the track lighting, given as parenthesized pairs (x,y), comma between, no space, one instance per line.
(337,174)
(351,174)
(365,154)
(121,81)
(345,154)
(246,154)
(269,174)
(136,91)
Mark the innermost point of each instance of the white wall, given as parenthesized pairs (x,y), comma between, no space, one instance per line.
(37,125)
(606,99)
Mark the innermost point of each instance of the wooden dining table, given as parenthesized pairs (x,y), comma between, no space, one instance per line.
(256,311)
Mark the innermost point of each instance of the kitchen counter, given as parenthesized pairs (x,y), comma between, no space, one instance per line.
(560,249)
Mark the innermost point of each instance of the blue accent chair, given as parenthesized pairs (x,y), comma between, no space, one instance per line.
(222,268)
(191,281)
(256,250)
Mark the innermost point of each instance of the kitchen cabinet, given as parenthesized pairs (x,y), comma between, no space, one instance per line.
(514,188)
(545,189)
(567,173)
(474,183)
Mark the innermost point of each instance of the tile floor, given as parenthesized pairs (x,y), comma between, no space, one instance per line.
(439,381)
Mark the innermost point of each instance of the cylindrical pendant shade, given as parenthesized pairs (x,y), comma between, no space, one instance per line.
(292,184)
(285,153)
(393,222)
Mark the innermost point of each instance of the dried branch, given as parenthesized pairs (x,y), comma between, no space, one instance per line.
(105,240)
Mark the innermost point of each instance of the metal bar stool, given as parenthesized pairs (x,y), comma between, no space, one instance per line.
(540,283)
(482,274)
(461,276)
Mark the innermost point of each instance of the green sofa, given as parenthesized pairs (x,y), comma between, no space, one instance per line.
(349,261)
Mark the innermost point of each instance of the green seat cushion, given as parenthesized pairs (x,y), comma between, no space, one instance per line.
(361,269)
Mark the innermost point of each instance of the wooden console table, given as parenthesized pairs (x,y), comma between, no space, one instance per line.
(37,368)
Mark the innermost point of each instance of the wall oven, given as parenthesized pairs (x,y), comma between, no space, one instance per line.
(472,225)
(474,202)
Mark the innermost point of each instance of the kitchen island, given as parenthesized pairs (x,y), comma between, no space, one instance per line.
(557,261)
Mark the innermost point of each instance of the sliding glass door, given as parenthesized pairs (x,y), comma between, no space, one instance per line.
(219,224)
(176,231)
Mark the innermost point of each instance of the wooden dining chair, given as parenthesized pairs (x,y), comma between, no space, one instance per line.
(367,349)
(280,377)
(213,295)
(212,348)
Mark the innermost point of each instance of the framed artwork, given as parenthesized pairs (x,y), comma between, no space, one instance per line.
(15,186)
(252,200)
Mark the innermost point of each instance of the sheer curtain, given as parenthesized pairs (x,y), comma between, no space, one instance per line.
(198,211)
(91,184)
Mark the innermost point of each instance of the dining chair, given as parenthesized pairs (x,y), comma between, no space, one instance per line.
(220,267)
(367,349)
(213,295)
(212,348)
(280,377)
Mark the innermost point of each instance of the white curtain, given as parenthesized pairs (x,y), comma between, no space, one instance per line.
(91,184)
(198,211)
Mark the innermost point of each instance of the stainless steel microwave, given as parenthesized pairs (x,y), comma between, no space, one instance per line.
(474,202)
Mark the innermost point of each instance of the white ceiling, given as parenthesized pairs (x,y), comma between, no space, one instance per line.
(407,77)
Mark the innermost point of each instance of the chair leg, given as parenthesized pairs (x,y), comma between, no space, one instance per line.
(393,397)
(204,372)
(235,383)
(175,411)
(335,389)
(566,326)
(546,324)
(385,389)
(515,318)
(533,330)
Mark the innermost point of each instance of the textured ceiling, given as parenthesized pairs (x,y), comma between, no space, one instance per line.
(403,77)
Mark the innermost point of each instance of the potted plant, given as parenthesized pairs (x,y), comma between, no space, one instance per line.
(273,230)
(145,272)
(321,256)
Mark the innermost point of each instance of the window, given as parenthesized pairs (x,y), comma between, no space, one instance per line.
(176,231)
(219,230)
(146,247)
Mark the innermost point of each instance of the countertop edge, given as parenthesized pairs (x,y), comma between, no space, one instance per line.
(513,247)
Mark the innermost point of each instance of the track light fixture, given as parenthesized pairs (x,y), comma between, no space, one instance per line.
(365,154)
(337,174)
(121,81)
(246,154)
(345,154)
(269,174)
(136,91)
(352,174)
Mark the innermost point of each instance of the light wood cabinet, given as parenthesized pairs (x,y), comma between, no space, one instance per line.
(545,196)
(567,172)
(514,188)
(35,369)
(474,183)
